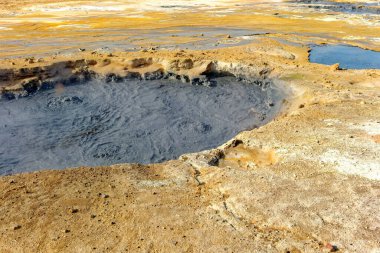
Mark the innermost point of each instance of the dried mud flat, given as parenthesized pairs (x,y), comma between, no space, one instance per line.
(308,181)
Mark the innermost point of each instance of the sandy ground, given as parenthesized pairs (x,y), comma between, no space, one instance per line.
(41,28)
(306,182)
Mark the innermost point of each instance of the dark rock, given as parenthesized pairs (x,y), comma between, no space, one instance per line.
(113,78)
(17,227)
(32,86)
(156,75)
(214,161)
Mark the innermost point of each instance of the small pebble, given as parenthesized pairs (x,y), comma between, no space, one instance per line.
(332,248)
(102,195)
(16,227)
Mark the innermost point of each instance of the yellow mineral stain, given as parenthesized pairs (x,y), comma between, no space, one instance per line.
(248,157)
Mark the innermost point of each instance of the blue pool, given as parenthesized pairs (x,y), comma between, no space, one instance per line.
(348,57)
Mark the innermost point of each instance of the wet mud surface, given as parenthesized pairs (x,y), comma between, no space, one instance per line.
(100,123)
(340,7)
(348,57)
(131,40)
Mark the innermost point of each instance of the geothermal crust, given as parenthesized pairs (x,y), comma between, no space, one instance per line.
(308,181)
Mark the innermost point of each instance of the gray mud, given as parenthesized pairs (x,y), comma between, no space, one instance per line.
(111,40)
(350,8)
(99,123)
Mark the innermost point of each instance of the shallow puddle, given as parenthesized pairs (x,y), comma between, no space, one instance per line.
(348,57)
(100,123)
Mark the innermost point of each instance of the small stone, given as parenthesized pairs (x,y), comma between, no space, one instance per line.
(301,106)
(335,67)
(74,210)
(67,231)
(229,36)
(113,223)
(93,216)
(81,49)
(332,248)
(17,227)
(102,195)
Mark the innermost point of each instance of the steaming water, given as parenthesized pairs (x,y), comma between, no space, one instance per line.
(100,123)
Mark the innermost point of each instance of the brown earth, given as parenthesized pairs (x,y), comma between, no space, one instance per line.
(306,182)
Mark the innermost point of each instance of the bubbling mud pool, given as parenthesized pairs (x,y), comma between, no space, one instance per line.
(134,121)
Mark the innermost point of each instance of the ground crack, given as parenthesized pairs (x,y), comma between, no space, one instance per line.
(231,213)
